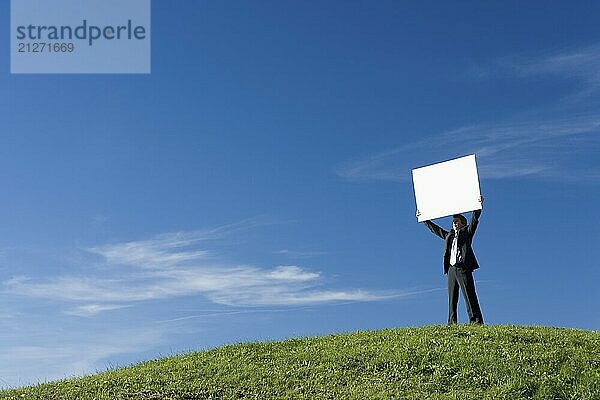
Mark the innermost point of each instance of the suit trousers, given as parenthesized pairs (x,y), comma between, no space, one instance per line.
(463,278)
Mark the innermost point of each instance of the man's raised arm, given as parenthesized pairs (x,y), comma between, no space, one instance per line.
(475,218)
(436,229)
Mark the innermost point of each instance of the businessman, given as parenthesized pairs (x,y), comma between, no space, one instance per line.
(459,263)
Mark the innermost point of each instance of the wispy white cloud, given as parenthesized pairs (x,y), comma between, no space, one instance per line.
(581,64)
(540,148)
(180,264)
(89,310)
(299,304)
(274,295)
(235,286)
(169,249)
(554,143)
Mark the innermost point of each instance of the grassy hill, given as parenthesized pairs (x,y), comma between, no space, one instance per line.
(433,362)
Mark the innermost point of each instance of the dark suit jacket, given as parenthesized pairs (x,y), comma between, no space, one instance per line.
(465,238)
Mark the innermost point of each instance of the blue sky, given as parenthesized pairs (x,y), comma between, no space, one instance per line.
(256,186)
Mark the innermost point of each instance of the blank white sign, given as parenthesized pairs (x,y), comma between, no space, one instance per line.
(447,188)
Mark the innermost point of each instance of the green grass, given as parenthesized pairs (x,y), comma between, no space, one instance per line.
(432,362)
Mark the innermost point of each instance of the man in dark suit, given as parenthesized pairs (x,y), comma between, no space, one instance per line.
(459,263)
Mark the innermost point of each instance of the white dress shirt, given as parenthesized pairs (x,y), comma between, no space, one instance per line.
(455,256)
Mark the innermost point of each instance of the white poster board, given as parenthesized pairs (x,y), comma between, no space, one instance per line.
(447,188)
